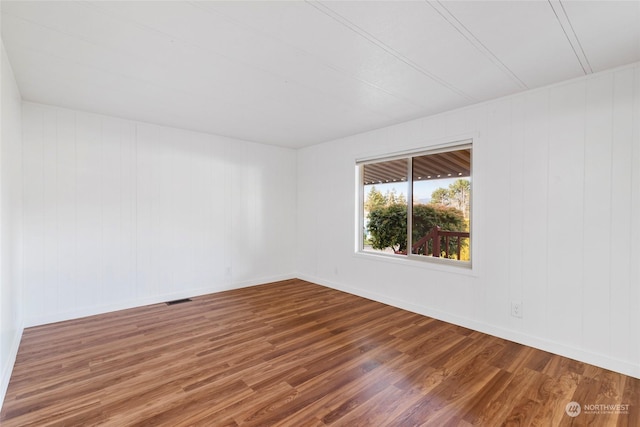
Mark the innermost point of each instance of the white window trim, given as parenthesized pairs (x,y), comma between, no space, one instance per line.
(441,264)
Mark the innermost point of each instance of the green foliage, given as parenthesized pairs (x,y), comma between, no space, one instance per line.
(458,196)
(392,198)
(425,217)
(440,196)
(375,200)
(387,217)
(387,220)
(387,225)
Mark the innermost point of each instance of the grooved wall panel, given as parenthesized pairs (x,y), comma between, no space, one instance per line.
(119,213)
(597,213)
(535,189)
(622,221)
(11,313)
(555,219)
(565,238)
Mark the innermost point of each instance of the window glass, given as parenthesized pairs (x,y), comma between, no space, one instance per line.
(442,205)
(438,184)
(385,207)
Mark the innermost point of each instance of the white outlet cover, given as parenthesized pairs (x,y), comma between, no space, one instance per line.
(516,309)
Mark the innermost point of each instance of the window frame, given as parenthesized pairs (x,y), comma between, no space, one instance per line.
(409,155)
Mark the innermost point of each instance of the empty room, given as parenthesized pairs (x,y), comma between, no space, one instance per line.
(312,213)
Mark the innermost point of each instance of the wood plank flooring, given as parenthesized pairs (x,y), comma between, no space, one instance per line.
(293,353)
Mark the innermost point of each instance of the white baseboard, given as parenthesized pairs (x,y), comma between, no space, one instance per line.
(600,360)
(7,369)
(156,299)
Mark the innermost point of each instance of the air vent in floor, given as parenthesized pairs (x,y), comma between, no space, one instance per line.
(178,301)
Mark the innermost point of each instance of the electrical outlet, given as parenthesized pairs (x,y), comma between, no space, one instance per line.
(516,309)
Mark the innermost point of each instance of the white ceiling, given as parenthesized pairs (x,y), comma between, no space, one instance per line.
(297,73)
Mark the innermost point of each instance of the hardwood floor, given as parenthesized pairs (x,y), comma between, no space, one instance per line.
(297,354)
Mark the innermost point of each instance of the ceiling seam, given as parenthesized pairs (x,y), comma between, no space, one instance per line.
(576,36)
(329,66)
(475,42)
(584,63)
(146,27)
(378,43)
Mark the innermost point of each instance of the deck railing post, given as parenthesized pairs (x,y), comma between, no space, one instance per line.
(436,241)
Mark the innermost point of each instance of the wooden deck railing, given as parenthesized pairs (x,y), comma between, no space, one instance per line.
(435,237)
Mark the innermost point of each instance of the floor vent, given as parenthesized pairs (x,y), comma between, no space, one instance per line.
(178,301)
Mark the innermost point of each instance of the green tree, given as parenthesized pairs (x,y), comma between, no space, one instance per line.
(393,198)
(425,217)
(388,227)
(375,199)
(458,196)
(388,224)
(440,196)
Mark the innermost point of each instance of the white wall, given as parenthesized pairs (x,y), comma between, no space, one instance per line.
(11,319)
(119,213)
(556,219)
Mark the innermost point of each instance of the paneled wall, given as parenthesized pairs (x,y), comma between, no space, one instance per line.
(556,219)
(119,213)
(11,317)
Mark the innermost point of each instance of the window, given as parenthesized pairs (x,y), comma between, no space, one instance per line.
(437,221)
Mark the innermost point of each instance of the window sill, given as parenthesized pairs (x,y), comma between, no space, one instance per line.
(423,262)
